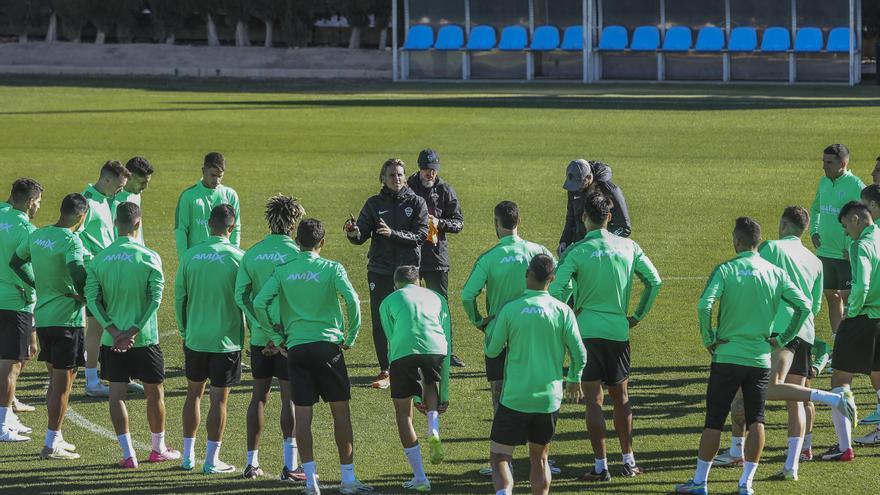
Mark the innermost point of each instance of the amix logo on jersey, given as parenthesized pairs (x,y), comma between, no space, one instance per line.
(532,310)
(127,257)
(45,243)
(307,276)
(829,209)
(210,257)
(276,256)
(606,252)
(511,259)
(6,227)
(746,272)
(202,221)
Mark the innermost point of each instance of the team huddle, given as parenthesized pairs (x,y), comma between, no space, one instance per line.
(86,290)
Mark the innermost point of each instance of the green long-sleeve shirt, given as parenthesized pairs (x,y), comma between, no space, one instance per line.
(193,211)
(416,321)
(257,265)
(603,266)
(15,293)
(208,318)
(502,272)
(831,195)
(97,231)
(56,255)
(749,291)
(864,258)
(308,289)
(805,270)
(124,288)
(4,206)
(538,330)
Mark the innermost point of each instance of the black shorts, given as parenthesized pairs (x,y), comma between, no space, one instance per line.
(16,328)
(837,274)
(802,361)
(146,364)
(317,370)
(62,347)
(511,427)
(608,361)
(495,366)
(857,345)
(407,374)
(263,367)
(222,368)
(725,380)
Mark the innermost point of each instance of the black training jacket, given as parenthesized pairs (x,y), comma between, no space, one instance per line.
(406,215)
(620,224)
(442,203)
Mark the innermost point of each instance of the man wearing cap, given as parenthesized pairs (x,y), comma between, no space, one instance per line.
(583,177)
(444,217)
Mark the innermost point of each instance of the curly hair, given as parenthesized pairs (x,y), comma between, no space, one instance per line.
(283,213)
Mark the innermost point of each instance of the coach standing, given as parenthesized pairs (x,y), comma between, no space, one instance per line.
(444,217)
(397,221)
(584,177)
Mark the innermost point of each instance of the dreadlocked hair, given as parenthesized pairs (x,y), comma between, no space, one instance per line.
(282,213)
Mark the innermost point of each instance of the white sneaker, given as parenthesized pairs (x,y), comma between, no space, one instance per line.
(14,424)
(7,435)
(62,444)
(486,471)
(872,438)
(19,406)
(355,487)
(57,453)
(727,460)
(99,390)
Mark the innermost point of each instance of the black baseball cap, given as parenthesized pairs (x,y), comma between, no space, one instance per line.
(429,158)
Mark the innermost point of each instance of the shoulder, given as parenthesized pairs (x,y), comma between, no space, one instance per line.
(186,193)
(229,192)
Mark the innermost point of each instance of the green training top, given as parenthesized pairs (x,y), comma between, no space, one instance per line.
(749,291)
(538,331)
(308,290)
(416,321)
(4,206)
(603,266)
(831,195)
(124,196)
(805,270)
(51,251)
(257,266)
(864,257)
(204,297)
(97,231)
(193,211)
(502,272)
(124,289)
(15,293)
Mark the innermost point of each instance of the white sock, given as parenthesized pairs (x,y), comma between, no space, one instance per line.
(629,459)
(212,454)
(189,448)
(92,377)
(701,475)
(309,470)
(829,398)
(51,437)
(158,440)
(601,465)
(347,473)
(414,456)
(504,491)
(795,444)
(290,453)
(433,423)
(125,443)
(4,416)
(736,446)
(253,458)
(842,426)
(808,442)
(749,469)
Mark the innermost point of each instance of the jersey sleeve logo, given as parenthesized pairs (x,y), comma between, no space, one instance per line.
(210,258)
(306,276)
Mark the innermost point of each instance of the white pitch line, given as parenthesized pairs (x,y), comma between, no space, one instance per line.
(79,420)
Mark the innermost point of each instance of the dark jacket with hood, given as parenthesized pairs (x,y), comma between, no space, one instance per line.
(442,203)
(575,229)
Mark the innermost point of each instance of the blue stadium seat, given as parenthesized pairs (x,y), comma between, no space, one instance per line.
(645,39)
(710,39)
(450,38)
(613,39)
(776,39)
(678,39)
(419,38)
(483,38)
(743,39)
(573,39)
(808,40)
(838,40)
(513,39)
(545,39)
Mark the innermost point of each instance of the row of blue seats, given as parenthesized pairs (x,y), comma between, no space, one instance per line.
(616,39)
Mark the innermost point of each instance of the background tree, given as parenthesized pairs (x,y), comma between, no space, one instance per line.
(168,17)
(207,9)
(381,9)
(357,12)
(237,15)
(268,11)
(298,20)
(24,14)
(71,16)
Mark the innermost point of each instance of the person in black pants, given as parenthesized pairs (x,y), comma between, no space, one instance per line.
(444,217)
(397,221)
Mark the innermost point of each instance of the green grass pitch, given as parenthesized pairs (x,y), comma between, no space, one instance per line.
(689,158)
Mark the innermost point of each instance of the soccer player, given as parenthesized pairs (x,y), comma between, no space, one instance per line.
(417,323)
(198,201)
(875,173)
(124,290)
(16,302)
(582,178)
(212,328)
(444,217)
(397,221)
(536,331)
(603,266)
(871,198)
(56,255)
(750,290)
(17,406)
(311,328)
(97,232)
(141,173)
(501,272)
(257,265)
(838,187)
(857,344)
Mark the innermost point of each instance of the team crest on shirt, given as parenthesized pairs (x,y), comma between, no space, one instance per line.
(408,211)
(372,286)
(7,227)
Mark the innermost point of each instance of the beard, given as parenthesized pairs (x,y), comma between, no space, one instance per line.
(428,183)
